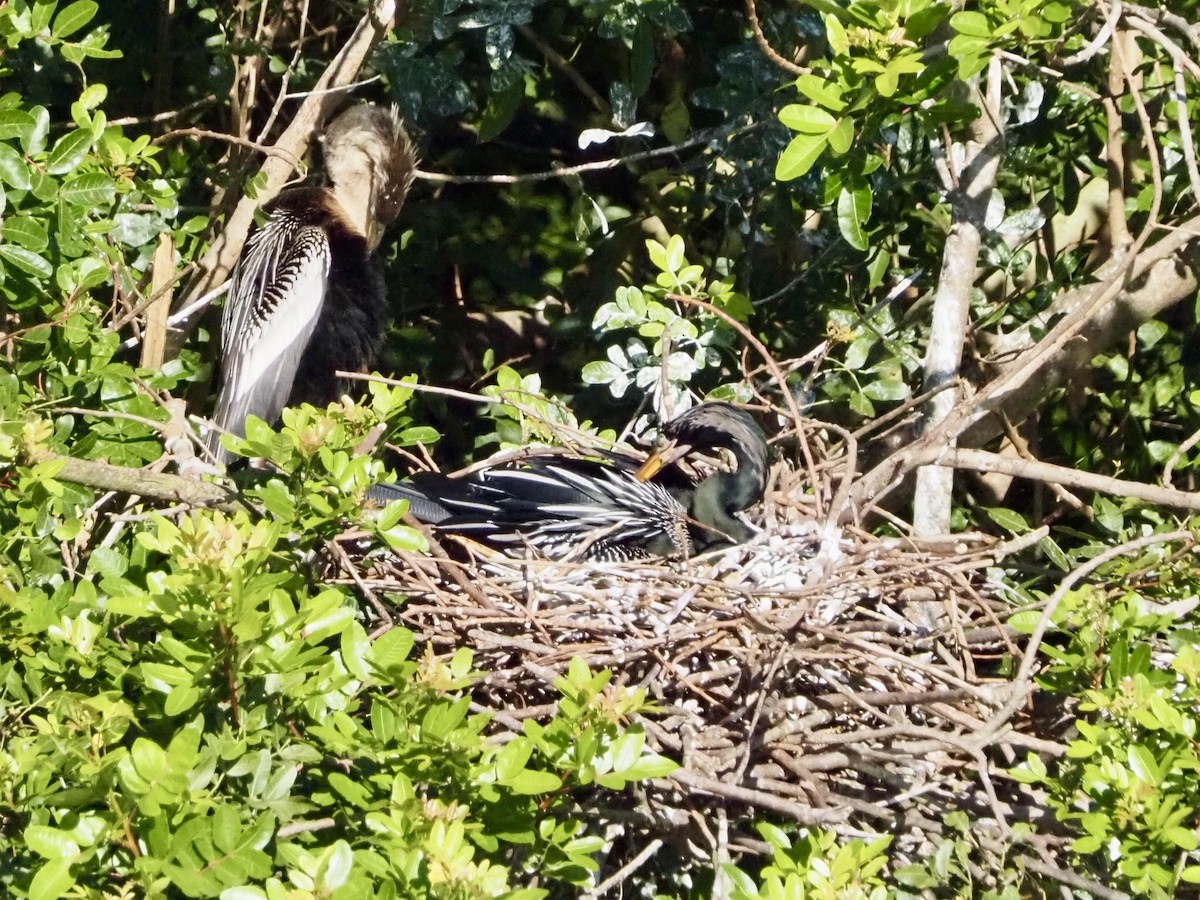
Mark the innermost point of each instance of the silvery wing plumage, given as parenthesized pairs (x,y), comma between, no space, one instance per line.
(278,290)
(557,507)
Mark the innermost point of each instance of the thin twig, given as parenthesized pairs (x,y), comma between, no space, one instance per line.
(765,46)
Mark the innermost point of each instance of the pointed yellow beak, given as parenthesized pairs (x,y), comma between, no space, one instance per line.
(661,458)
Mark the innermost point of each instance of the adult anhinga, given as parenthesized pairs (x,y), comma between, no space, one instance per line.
(307,295)
(601,509)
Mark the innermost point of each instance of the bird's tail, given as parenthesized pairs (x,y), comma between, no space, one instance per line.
(423,508)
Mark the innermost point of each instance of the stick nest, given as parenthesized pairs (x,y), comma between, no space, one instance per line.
(817,672)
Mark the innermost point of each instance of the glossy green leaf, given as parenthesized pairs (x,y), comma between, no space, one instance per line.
(25,261)
(68,152)
(13,169)
(73,17)
(800,156)
(853,211)
(91,190)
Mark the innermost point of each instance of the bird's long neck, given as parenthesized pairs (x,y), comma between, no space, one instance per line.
(711,507)
(718,497)
(356,196)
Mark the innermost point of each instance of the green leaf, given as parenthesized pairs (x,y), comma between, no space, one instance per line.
(799,156)
(52,881)
(1054,553)
(1008,520)
(599,372)
(16,123)
(971,23)
(26,261)
(74,17)
(835,33)
(841,138)
(675,257)
(391,649)
(404,539)
(1151,332)
(657,253)
(91,190)
(1108,514)
(1142,764)
(853,211)
(180,699)
(534,782)
(336,865)
(39,16)
(355,647)
(13,169)
(351,790)
(93,95)
(35,142)
(512,758)
(886,390)
(972,54)
(25,231)
(807,119)
(69,151)
(1184,838)
(51,843)
(651,766)
(827,93)
(135,229)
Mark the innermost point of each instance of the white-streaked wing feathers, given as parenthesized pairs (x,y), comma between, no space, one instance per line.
(279,287)
(608,504)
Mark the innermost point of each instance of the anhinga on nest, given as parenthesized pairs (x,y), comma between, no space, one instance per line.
(599,509)
(307,295)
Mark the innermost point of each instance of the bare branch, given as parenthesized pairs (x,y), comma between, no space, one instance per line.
(138,482)
(951,306)
(983,461)
(765,46)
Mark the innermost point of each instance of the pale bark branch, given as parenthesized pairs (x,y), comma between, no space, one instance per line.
(952,304)
(139,482)
(1017,379)
(983,461)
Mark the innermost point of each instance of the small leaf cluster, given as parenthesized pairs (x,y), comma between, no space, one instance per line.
(880,74)
(960,868)
(683,341)
(814,865)
(523,413)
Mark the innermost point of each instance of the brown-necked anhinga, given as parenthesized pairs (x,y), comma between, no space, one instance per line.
(604,509)
(307,296)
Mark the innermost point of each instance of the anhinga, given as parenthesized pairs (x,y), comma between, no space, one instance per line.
(307,297)
(601,509)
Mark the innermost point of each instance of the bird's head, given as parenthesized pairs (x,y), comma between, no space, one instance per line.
(711,426)
(370,162)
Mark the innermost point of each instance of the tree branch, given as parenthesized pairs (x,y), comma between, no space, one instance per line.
(138,482)
(983,461)
(982,151)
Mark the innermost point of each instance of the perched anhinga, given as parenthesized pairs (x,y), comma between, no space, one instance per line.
(308,296)
(600,509)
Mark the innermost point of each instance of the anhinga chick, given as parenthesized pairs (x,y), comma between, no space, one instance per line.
(308,297)
(600,509)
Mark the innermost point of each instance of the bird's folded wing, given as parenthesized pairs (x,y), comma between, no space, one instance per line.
(278,290)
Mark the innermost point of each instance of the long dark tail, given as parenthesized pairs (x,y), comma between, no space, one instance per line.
(424,508)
